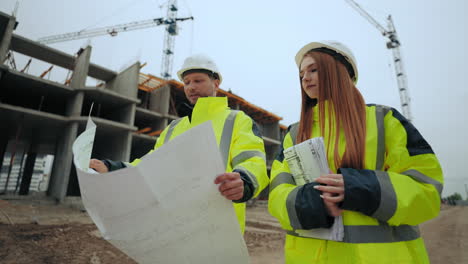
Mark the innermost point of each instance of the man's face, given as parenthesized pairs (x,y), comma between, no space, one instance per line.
(198,85)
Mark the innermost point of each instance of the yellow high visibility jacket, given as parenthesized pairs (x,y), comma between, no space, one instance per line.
(399,188)
(238,138)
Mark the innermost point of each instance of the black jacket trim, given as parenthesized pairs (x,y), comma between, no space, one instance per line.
(310,209)
(248,187)
(113,165)
(362,191)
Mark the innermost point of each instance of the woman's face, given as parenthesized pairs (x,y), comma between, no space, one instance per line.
(309,77)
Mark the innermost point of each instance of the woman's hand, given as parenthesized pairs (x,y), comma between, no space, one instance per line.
(231,185)
(332,208)
(333,192)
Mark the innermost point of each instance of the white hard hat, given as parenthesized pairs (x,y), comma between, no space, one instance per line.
(333,46)
(201,62)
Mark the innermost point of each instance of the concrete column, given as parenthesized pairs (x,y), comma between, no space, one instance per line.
(3,147)
(62,163)
(126,82)
(272,130)
(78,80)
(124,114)
(80,73)
(128,118)
(62,167)
(26,148)
(5,37)
(28,171)
(160,100)
(127,147)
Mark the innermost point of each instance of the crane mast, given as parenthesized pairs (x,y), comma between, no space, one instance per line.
(169,40)
(393,44)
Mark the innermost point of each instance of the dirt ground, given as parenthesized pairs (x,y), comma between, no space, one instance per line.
(38,231)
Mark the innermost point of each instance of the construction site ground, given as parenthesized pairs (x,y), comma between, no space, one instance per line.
(39,231)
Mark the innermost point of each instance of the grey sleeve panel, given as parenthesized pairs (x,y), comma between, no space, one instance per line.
(171,128)
(388,199)
(291,207)
(245,155)
(380,113)
(293,132)
(418,176)
(226,136)
(282,178)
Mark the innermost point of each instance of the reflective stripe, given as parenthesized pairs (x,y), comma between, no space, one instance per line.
(382,233)
(252,178)
(376,234)
(418,176)
(388,200)
(245,155)
(171,128)
(225,143)
(283,177)
(291,207)
(380,113)
(293,132)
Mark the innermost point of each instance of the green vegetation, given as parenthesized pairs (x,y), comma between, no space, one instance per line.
(451,199)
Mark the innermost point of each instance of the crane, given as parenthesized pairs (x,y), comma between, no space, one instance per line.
(393,44)
(111,30)
(169,40)
(171,31)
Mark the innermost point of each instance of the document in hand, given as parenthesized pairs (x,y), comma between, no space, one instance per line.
(167,209)
(307,161)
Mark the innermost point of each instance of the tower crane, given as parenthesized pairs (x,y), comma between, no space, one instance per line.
(393,44)
(169,40)
(171,31)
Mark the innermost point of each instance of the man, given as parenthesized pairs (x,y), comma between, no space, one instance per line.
(238,138)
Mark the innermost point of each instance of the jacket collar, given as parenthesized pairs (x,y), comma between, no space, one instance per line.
(206,108)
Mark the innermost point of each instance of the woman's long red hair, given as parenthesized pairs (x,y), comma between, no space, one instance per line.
(347,107)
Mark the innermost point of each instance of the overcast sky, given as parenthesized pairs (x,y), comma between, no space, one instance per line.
(254,43)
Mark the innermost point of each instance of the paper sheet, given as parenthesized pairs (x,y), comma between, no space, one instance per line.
(167,209)
(307,161)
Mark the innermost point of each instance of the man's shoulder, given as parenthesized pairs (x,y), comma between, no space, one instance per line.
(176,122)
(238,113)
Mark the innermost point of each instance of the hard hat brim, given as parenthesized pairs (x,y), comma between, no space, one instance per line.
(180,73)
(315,45)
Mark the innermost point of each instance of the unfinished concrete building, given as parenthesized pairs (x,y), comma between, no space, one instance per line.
(41,119)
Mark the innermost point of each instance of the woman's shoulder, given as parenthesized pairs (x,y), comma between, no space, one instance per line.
(293,125)
(379,106)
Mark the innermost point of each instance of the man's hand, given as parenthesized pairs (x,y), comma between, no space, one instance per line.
(98,166)
(231,186)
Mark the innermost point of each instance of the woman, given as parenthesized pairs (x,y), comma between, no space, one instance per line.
(384,178)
